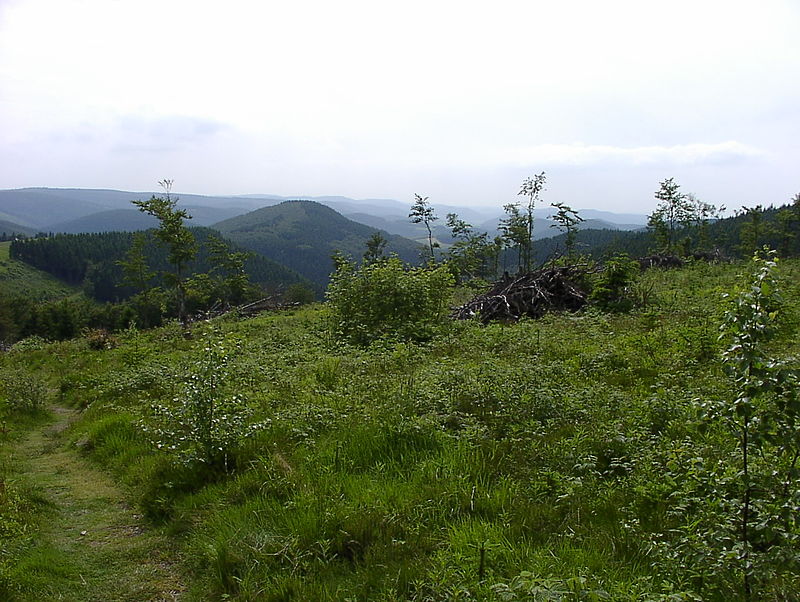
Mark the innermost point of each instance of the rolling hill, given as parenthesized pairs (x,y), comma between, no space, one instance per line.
(303,235)
(7,228)
(57,209)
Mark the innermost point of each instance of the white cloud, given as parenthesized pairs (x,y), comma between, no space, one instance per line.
(590,155)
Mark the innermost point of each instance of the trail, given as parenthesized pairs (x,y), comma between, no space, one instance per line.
(91,545)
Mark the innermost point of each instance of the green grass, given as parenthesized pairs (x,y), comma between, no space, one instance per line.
(89,543)
(567,452)
(19,279)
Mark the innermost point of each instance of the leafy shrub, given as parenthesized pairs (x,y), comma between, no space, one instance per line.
(204,423)
(299,293)
(22,393)
(387,299)
(31,343)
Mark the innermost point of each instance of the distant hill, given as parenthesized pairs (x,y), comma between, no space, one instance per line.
(8,228)
(77,210)
(130,220)
(50,209)
(303,235)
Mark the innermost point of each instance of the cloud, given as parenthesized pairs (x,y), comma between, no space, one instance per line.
(588,155)
(135,133)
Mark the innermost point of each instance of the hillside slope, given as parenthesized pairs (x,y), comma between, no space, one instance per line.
(20,279)
(76,258)
(587,456)
(303,235)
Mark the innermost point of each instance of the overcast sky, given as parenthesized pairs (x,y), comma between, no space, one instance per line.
(459,101)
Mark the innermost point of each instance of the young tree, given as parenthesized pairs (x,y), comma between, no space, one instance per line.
(229,270)
(531,188)
(514,231)
(375,247)
(670,214)
(765,418)
(175,236)
(786,220)
(472,251)
(137,274)
(698,217)
(566,219)
(752,229)
(135,271)
(422,212)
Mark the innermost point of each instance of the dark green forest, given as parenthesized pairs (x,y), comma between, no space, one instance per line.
(92,261)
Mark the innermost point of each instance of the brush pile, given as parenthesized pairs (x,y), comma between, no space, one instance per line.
(532,295)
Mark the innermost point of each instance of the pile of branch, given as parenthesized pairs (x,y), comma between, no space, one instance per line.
(660,261)
(532,294)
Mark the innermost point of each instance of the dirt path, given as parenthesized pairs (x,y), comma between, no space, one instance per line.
(91,545)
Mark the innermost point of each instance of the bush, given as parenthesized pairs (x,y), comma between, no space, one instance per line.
(205,423)
(612,288)
(22,393)
(387,299)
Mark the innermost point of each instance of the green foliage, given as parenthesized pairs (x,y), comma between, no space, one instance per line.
(22,392)
(672,212)
(473,255)
(567,220)
(175,236)
(612,286)
(422,212)
(517,227)
(561,458)
(765,417)
(299,293)
(206,422)
(376,244)
(387,299)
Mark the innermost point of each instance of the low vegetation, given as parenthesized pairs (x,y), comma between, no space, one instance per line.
(630,454)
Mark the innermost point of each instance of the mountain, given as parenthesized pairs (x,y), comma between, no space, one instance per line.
(8,228)
(130,220)
(303,235)
(90,210)
(48,209)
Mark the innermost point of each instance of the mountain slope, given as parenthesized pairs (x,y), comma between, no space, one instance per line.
(9,227)
(303,235)
(20,279)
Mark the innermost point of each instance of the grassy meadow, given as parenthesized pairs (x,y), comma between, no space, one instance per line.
(567,458)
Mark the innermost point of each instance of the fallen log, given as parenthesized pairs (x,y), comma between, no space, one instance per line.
(247,310)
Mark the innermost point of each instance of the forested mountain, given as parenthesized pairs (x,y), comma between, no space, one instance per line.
(130,220)
(90,260)
(95,210)
(304,235)
(10,228)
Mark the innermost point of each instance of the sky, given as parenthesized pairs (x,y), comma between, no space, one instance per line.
(459,101)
